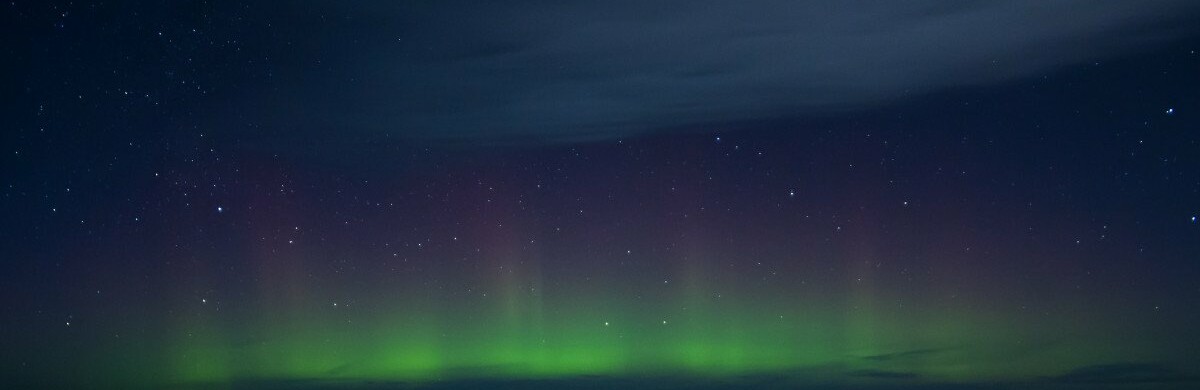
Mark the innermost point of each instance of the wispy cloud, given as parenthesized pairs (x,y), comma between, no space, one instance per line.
(881,374)
(910,354)
(564,71)
(1124,373)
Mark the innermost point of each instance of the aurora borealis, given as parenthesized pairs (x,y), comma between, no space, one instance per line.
(572,195)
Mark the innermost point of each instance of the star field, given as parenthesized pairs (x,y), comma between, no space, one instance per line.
(215,195)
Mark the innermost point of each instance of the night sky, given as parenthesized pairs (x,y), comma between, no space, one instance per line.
(549,194)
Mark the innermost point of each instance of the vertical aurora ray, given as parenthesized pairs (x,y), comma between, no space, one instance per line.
(561,333)
(543,281)
(505,314)
(377,194)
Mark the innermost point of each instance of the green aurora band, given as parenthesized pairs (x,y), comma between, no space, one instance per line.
(517,327)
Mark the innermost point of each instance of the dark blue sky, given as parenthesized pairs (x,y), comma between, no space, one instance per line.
(970,195)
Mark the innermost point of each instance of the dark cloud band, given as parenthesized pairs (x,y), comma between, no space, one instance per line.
(548,72)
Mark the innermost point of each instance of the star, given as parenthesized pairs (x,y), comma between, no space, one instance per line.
(1170,111)
(220,209)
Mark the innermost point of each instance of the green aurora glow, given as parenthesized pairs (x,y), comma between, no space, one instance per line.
(523,330)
